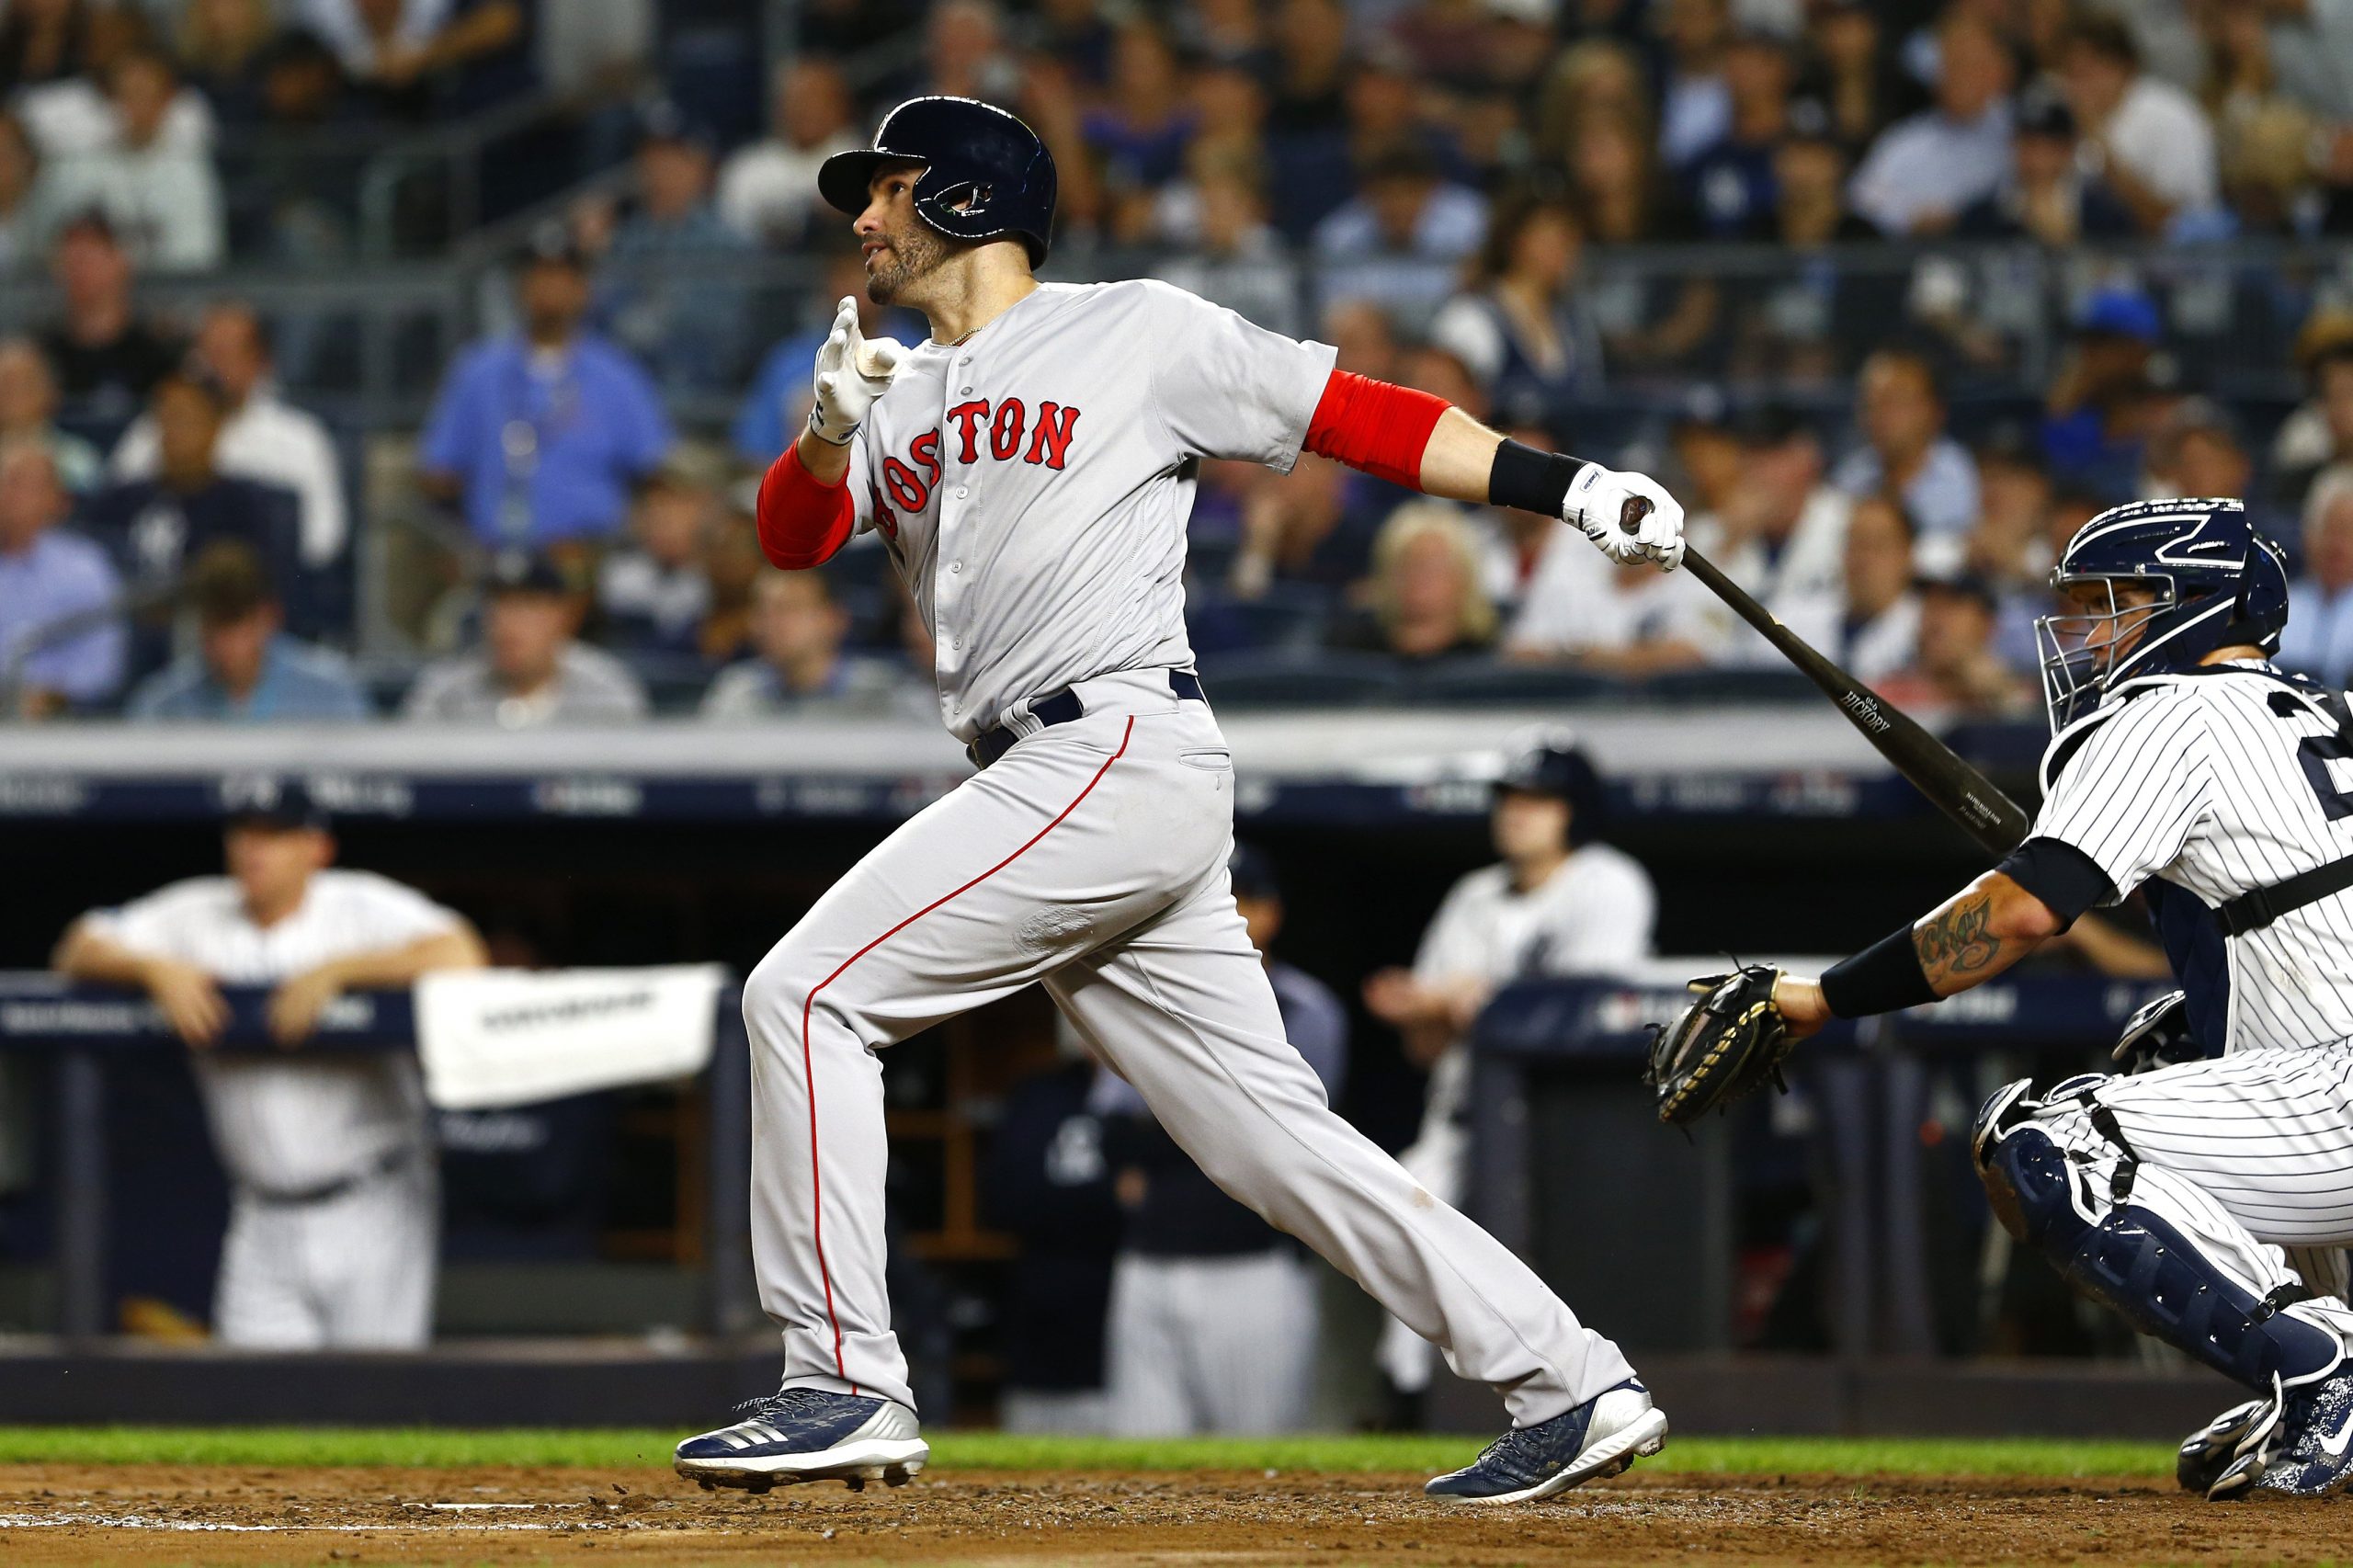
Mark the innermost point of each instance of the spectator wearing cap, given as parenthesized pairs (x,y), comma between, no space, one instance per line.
(60,635)
(2319,635)
(665,302)
(264,438)
(1954,670)
(1925,171)
(334,1209)
(532,669)
(1879,620)
(157,526)
(2048,196)
(1808,206)
(1730,185)
(798,628)
(2102,403)
(765,188)
(652,594)
(1781,533)
(1400,242)
(1901,407)
(106,356)
(1198,1277)
(2146,138)
(29,413)
(538,435)
(1522,328)
(162,198)
(245,668)
(2320,432)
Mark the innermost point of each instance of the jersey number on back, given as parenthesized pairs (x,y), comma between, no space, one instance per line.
(2316,752)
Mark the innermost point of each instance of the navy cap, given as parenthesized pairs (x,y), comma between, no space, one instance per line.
(267,800)
(520,572)
(2042,112)
(1548,761)
(552,243)
(2121,311)
(1253,873)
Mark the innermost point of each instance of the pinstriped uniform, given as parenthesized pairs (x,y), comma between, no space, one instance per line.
(2205,785)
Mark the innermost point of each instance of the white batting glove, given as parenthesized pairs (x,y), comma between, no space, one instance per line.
(852,372)
(1597,502)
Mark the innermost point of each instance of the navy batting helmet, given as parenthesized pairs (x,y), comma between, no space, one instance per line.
(985,174)
(1551,763)
(2217,582)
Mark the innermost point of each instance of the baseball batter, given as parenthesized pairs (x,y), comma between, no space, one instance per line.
(2225,789)
(1030,469)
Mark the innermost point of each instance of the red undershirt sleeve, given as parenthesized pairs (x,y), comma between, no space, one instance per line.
(1372,425)
(802,522)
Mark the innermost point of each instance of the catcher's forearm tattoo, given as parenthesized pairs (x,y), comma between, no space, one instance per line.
(1956,943)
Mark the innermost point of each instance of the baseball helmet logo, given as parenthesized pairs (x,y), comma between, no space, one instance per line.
(986,174)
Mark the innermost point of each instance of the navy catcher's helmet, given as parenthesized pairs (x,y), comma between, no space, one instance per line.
(1551,763)
(985,174)
(2217,583)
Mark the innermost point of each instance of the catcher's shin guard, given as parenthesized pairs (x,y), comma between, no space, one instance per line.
(2158,1276)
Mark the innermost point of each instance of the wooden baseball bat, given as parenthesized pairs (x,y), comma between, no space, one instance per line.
(1954,786)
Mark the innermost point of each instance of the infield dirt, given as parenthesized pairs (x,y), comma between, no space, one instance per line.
(136,1513)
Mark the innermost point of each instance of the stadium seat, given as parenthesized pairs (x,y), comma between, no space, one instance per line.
(1487,684)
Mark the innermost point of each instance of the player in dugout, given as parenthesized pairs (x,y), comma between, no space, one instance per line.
(335,1207)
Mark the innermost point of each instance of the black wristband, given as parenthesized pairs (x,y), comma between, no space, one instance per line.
(1532,481)
(1885,977)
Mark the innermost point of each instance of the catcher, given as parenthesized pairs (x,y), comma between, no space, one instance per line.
(2204,777)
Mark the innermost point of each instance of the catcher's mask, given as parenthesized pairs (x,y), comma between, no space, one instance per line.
(2200,579)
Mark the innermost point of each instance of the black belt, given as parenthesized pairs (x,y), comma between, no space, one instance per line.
(392,1162)
(1062,707)
(2253,911)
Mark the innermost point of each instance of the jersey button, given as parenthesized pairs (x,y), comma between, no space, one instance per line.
(966,391)
(961,492)
(955,566)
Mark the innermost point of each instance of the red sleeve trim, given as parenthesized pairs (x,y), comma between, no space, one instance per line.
(802,522)
(1375,426)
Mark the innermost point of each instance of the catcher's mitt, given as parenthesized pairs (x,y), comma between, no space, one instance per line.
(1727,1043)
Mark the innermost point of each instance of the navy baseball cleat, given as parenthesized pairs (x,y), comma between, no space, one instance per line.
(2208,1453)
(2309,1455)
(809,1435)
(1601,1437)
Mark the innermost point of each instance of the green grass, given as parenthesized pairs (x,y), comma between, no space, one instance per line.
(442,1447)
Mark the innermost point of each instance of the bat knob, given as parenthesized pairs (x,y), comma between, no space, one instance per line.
(1631,514)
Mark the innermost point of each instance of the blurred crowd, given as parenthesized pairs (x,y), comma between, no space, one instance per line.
(1879,449)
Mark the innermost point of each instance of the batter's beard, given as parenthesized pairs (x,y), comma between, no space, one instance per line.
(911,258)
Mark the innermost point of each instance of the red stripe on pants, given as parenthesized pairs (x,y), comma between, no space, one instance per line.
(816,1188)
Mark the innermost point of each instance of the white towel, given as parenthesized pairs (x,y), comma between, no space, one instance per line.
(513,1036)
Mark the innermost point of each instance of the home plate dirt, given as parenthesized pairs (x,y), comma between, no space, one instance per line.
(136,1513)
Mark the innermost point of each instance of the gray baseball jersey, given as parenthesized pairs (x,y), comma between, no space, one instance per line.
(1033,485)
(1033,482)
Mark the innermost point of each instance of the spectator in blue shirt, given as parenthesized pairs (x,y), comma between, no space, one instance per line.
(50,580)
(2102,403)
(245,668)
(538,435)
